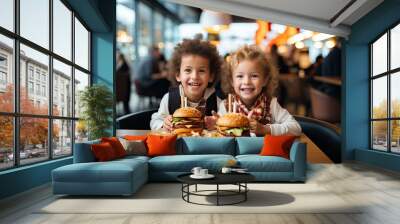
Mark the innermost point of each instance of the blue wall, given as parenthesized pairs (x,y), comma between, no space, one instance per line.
(356,85)
(100,17)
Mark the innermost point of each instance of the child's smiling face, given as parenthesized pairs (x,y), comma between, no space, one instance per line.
(194,75)
(248,80)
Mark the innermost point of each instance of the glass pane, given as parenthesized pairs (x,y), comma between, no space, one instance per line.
(395,138)
(395,94)
(7,14)
(125,30)
(62,89)
(169,38)
(6,74)
(144,31)
(35,21)
(81,131)
(395,47)
(158,34)
(81,45)
(62,138)
(6,142)
(379,98)
(379,55)
(34,94)
(379,135)
(81,81)
(62,29)
(33,139)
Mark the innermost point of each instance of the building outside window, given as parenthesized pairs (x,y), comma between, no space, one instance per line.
(385,94)
(50,141)
(30,87)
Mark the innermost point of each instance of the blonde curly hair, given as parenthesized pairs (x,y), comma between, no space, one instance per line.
(253,53)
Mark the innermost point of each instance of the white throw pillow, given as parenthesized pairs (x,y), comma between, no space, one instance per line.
(134,147)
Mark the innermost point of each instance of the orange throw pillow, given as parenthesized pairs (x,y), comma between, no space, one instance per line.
(160,145)
(135,137)
(277,145)
(116,145)
(103,152)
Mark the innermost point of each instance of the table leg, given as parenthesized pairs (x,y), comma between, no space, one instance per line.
(217,194)
(245,191)
(196,188)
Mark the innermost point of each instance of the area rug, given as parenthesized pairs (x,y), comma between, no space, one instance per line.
(167,198)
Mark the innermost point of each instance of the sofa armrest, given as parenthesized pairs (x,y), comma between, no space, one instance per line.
(298,155)
(83,152)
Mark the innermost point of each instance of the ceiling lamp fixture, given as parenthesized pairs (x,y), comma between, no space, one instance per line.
(214,22)
(124,37)
(321,36)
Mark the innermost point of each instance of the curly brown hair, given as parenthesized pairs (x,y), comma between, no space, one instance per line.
(252,53)
(196,47)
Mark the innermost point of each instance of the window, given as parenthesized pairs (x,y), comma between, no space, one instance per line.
(81,45)
(34,22)
(43,90)
(7,14)
(38,89)
(45,131)
(385,94)
(125,28)
(30,72)
(30,87)
(3,78)
(144,29)
(62,29)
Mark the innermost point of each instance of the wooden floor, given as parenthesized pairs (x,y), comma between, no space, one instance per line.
(379,190)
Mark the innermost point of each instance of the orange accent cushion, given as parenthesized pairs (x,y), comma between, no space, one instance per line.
(103,151)
(159,145)
(277,145)
(135,137)
(116,145)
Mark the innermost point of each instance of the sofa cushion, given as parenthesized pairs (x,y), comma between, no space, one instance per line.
(257,163)
(185,163)
(159,145)
(83,152)
(116,145)
(249,145)
(196,146)
(103,152)
(112,171)
(134,147)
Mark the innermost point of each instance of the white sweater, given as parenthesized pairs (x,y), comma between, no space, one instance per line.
(282,122)
(157,119)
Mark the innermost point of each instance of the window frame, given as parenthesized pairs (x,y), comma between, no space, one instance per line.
(15,68)
(388,74)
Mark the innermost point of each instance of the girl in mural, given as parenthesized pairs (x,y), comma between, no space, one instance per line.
(196,65)
(252,82)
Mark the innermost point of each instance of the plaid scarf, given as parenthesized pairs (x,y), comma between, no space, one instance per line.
(261,108)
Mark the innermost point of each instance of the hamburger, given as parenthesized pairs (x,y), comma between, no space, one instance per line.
(233,125)
(186,121)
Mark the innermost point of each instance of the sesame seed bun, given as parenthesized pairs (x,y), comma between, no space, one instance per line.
(233,120)
(187,112)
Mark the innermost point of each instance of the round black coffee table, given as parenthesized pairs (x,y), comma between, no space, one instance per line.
(238,179)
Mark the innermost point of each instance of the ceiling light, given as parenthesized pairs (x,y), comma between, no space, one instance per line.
(318,44)
(299,45)
(321,36)
(214,22)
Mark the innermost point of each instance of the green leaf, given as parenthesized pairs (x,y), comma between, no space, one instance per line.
(96,103)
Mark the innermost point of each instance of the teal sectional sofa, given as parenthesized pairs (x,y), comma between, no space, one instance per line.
(125,176)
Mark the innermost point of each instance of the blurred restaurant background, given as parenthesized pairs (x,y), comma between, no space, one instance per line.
(309,62)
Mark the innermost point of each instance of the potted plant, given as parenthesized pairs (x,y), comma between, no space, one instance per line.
(96,103)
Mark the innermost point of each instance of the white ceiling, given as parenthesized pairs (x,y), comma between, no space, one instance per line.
(324,16)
